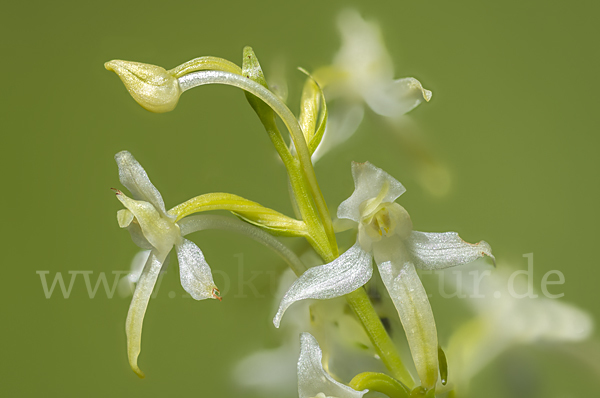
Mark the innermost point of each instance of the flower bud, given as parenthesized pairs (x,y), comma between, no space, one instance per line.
(151,86)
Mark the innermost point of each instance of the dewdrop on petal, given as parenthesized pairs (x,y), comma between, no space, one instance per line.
(153,87)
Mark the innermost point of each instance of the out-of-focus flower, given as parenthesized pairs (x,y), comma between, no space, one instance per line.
(272,372)
(503,320)
(152,227)
(363,71)
(347,349)
(385,233)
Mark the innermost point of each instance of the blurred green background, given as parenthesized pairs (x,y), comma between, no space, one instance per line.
(513,116)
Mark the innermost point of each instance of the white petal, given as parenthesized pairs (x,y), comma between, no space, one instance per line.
(368,183)
(411,302)
(133,176)
(343,275)
(396,97)
(196,277)
(342,123)
(312,378)
(137,309)
(442,250)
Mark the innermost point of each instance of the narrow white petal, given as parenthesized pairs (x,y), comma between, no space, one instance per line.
(397,97)
(137,309)
(342,123)
(312,378)
(196,277)
(343,275)
(442,250)
(411,302)
(368,184)
(133,176)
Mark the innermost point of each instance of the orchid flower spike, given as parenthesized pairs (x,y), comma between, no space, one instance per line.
(313,380)
(152,227)
(385,233)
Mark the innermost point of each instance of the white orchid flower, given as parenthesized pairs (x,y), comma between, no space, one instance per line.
(313,380)
(363,72)
(152,227)
(503,321)
(385,234)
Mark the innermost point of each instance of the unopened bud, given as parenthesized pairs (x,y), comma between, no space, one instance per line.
(151,86)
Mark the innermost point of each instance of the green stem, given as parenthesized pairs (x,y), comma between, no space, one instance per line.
(316,231)
(196,79)
(360,303)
